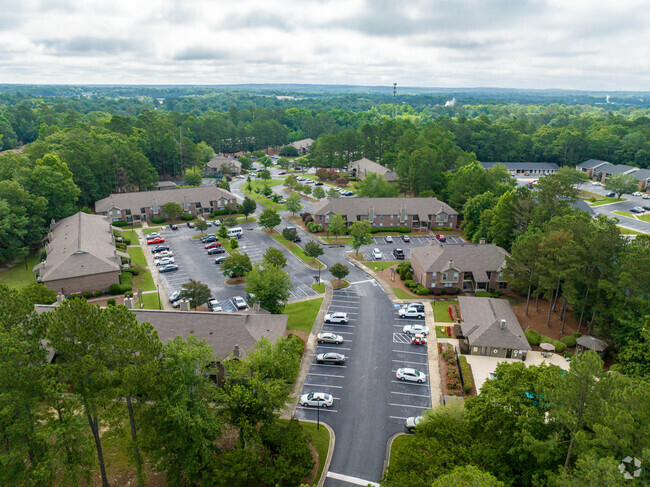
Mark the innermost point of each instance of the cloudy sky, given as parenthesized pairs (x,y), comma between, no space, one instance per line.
(573,44)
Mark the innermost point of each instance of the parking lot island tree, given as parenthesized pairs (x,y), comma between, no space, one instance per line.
(223,232)
(290,234)
(275,257)
(313,250)
(294,203)
(337,225)
(319,192)
(237,265)
(333,193)
(234,243)
(264,174)
(196,291)
(360,232)
(339,270)
(269,219)
(621,183)
(173,209)
(290,182)
(248,206)
(270,285)
(201,225)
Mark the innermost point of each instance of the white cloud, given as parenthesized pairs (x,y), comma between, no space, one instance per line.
(511,43)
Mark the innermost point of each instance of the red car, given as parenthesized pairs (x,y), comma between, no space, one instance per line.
(155,240)
(282,173)
(441,238)
(212,245)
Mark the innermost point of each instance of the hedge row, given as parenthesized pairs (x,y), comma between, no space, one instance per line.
(116,289)
(535,339)
(158,219)
(468,381)
(187,217)
(487,294)
(120,223)
(390,229)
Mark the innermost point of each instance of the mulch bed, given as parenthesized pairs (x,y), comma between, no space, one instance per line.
(443,371)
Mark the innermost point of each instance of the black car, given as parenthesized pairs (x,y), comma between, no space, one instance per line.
(216,250)
(209,239)
(219,260)
(330,358)
(173,227)
(399,254)
(646,207)
(318,184)
(160,248)
(611,194)
(169,268)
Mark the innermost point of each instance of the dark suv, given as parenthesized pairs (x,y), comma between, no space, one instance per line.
(399,254)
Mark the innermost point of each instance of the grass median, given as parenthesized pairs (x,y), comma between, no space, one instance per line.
(150,301)
(302,314)
(297,251)
(380,266)
(441,311)
(137,256)
(401,294)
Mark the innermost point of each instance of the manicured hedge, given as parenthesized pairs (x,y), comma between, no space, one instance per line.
(559,346)
(452,290)
(420,290)
(468,381)
(120,223)
(390,229)
(533,338)
(116,289)
(187,217)
(569,341)
(110,302)
(158,219)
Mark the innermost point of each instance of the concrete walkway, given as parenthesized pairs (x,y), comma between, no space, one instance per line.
(155,275)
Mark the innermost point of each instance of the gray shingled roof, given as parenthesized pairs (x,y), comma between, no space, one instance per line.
(482,323)
(351,207)
(366,165)
(581,204)
(475,258)
(592,343)
(591,163)
(222,331)
(617,169)
(641,174)
(525,166)
(302,143)
(166,184)
(140,199)
(218,161)
(81,245)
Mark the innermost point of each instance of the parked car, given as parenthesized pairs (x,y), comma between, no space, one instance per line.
(155,240)
(190,225)
(219,260)
(415,329)
(441,238)
(417,306)
(169,268)
(318,399)
(214,305)
(407,373)
(327,337)
(239,302)
(162,254)
(646,207)
(152,235)
(419,339)
(212,245)
(164,261)
(339,317)
(283,173)
(388,239)
(596,183)
(376,253)
(318,183)
(300,178)
(411,312)
(399,254)
(637,193)
(406,238)
(310,181)
(330,358)
(160,248)
(412,422)
(216,223)
(636,209)
(211,238)
(173,226)
(216,250)
(610,194)
(646,196)
(176,304)
(175,296)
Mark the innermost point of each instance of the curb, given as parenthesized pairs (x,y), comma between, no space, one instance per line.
(330,451)
(389,445)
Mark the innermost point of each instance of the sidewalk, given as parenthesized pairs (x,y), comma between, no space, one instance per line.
(155,275)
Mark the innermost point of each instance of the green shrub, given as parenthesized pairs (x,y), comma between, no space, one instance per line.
(467,374)
(126,276)
(187,217)
(115,289)
(120,246)
(110,302)
(97,293)
(577,334)
(452,290)
(559,346)
(42,255)
(483,294)
(533,337)
(136,269)
(498,293)
(120,223)
(404,266)
(410,283)
(87,294)
(569,341)
(420,290)
(441,229)
(128,294)
(158,219)
(127,241)
(408,275)
(403,229)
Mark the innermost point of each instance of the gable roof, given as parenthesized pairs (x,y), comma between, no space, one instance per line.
(617,169)
(302,143)
(482,323)
(591,164)
(80,245)
(592,343)
(366,165)
(222,331)
(218,161)
(351,207)
(141,199)
(513,166)
(475,258)
(642,174)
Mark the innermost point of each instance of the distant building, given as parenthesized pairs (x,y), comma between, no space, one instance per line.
(81,255)
(144,205)
(416,213)
(302,145)
(221,165)
(643,178)
(361,168)
(603,171)
(525,168)
(166,185)
(590,166)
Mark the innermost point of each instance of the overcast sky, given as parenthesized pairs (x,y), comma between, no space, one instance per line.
(573,44)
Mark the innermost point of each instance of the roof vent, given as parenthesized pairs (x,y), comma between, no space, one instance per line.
(502,325)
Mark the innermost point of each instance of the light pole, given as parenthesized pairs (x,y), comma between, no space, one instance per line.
(318,417)
(158,292)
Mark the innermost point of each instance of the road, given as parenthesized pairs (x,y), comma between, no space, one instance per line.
(632,201)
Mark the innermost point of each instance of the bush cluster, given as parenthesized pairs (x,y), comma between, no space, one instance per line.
(420,290)
(326,174)
(409,283)
(314,227)
(116,289)
(533,338)
(120,223)
(488,294)
(110,302)
(158,219)
(559,346)
(452,290)
(187,216)
(467,375)
(87,294)
(390,229)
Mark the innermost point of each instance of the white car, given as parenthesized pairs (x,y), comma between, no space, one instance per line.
(596,183)
(637,193)
(152,235)
(411,312)
(336,318)
(164,261)
(388,239)
(318,399)
(412,422)
(415,329)
(411,375)
(162,254)
(646,196)
(216,223)
(327,337)
(376,253)
(214,305)
(239,302)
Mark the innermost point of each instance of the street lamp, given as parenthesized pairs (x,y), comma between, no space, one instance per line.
(158,292)
(318,417)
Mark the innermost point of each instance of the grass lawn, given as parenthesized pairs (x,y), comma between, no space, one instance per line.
(320,287)
(262,200)
(137,255)
(144,282)
(627,231)
(320,439)
(440,311)
(340,283)
(440,332)
(297,251)
(600,199)
(645,217)
(400,442)
(623,213)
(401,294)
(380,266)
(17,276)
(339,240)
(150,301)
(243,219)
(130,234)
(302,314)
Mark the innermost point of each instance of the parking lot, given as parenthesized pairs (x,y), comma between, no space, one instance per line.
(194,263)
(386,248)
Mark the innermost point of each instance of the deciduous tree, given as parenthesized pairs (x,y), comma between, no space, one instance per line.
(197,292)
(294,203)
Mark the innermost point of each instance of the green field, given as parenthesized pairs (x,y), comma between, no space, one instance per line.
(298,251)
(131,235)
(302,314)
(262,200)
(137,255)
(320,287)
(150,301)
(380,266)
(144,282)
(441,311)
(18,276)
(401,294)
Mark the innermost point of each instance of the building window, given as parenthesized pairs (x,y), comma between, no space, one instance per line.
(128,212)
(448,284)
(503,285)
(381,224)
(143,210)
(450,276)
(442,217)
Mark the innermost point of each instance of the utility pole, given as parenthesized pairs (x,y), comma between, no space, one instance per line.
(394,99)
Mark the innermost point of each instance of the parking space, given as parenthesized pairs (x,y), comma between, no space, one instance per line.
(327,378)
(407,399)
(387,248)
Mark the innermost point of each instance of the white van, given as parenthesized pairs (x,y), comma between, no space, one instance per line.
(235,232)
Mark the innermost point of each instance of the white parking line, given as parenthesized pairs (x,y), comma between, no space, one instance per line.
(408,394)
(322,385)
(414,353)
(410,384)
(407,362)
(408,406)
(335,347)
(397,417)
(352,480)
(322,410)
(326,375)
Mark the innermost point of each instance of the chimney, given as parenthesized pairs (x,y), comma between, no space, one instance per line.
(502,325)
(235,351)
(482,241)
